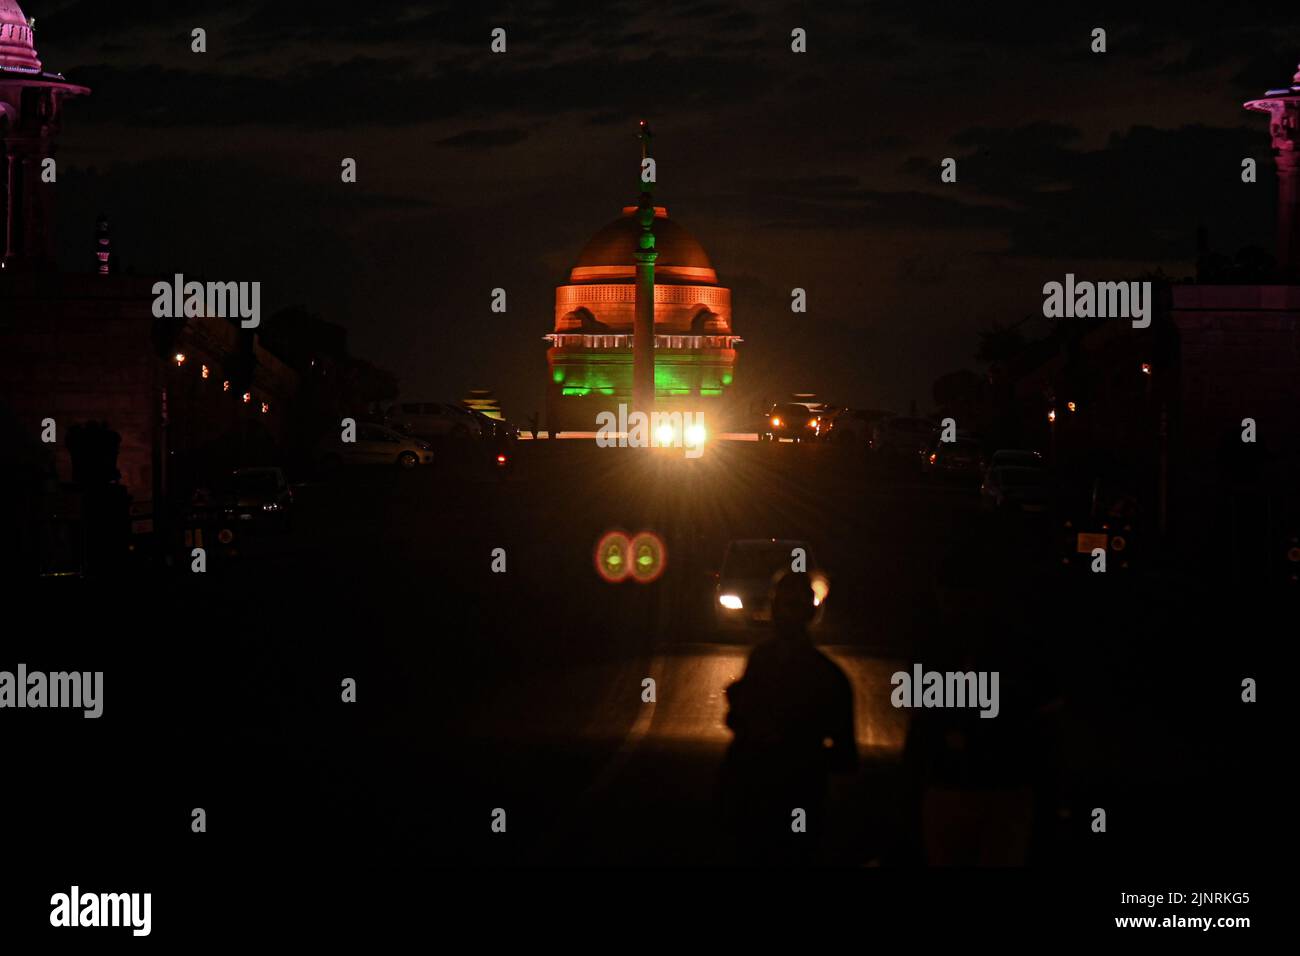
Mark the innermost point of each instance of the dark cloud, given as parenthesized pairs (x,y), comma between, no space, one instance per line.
(480,138)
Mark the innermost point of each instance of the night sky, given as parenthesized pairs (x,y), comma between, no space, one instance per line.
(818,170)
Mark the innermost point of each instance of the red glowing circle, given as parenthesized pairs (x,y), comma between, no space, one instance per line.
(611,556)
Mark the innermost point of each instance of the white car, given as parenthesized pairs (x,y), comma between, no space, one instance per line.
(376,445)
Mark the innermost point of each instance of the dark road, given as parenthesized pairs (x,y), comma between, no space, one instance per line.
(522,690)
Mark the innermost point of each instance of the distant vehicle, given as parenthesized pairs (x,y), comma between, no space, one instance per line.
(1016,456)
(742,595)
(901,437)
(262,494)
(1015,487)
(435,420)
(791,422)
(495,428)
(252,497)
(377,445)
(855,424)
(962,458)
(826,415)
(1104,513)
(503,456)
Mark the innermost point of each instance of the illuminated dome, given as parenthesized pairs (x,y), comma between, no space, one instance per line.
(16,50)
(610,254)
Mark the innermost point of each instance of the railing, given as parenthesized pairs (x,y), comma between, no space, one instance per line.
(614,341)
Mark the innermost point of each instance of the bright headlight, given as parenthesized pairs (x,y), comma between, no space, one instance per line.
(731,601)
(696,435)
(820,588)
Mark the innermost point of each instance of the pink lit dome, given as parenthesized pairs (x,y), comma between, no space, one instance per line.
(17,53)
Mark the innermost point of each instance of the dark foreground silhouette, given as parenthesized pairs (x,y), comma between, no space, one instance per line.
(792,715)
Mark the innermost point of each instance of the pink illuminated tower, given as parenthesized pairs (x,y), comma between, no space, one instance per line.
(1283,107)
(31,111)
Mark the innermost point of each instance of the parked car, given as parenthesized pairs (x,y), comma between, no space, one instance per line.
(791,422)
(1015,487)
(495,428)
(742,596)
(255,497)
(961,458)
(901,437)
(434,420)
(1022,457)
(1102,513)
(376,445)
(262,494)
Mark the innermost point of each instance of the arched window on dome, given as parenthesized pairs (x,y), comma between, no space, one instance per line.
(586,321)
(702,319)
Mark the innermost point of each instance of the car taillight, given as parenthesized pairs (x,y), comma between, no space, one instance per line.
(933,457)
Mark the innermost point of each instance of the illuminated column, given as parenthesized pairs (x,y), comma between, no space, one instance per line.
(643,324)
(1283,107)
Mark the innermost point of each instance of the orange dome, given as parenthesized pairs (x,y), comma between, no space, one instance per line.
(610,254)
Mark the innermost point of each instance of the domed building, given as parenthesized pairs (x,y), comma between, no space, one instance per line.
(590,358)
(84,346)
(31,112)
(17,53)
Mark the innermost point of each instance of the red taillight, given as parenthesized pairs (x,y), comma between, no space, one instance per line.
(933,457)
(501,459)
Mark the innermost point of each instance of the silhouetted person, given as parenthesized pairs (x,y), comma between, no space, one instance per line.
(792,716)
